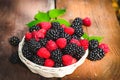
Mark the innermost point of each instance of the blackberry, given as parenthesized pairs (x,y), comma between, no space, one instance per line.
(33,45)
(93,44)
(14,58)
(38,60)
(79,31)
(96,54)
(79,52)
(75,37)
(52,34)
(43,41)
(65,35)
(26,52)
(55,25)
(14,41)
(36,28)
(58,65)
(56,55)
(77,22)
(70,49)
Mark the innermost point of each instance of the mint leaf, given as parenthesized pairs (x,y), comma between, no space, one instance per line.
(54,13)
(32,23)
(62,21)
(96,38)
(41,16)
(85,36)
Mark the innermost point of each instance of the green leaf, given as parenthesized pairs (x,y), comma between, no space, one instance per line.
(85,36)
(54,13)
(42,16)
(96,38)
(32,23)
(62,21)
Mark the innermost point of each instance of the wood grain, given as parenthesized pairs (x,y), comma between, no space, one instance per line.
(104,23)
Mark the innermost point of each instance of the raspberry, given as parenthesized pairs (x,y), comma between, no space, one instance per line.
(38,60)
(43,41)
(104,47)
(84,43)
(49,63)
(79,31)
(65,35)
(34,28)
(69,30)
(45,25)
(43,31)
(75,41)
(87,21)
(43,53)
(26,52)
(28,36)
(63,26)
(14,58)
(56,55)
(67,60)
(93,44)
(33,45)
(61,42)
(79,52)
(96,54)
(14,41)
(52,34)
(51,45)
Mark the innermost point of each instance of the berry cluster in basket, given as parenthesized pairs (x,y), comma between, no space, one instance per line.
(55,45)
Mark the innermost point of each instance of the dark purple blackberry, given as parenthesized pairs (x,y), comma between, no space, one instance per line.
(58,65)
(77,22)
(14,58)
(36,28)
(96,54)
(79,31)
(14,41)
(26,52)
(43,41)
(52,34)
(56,55)
(79,52)
(55,25)
(65,35)
(75,37)
(33,45)
(38,60)
(93,44)
(70,49)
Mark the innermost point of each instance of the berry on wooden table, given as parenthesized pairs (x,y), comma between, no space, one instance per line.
(14,41)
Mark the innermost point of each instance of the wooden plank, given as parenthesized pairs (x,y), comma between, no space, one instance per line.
(14,14)
(104,23)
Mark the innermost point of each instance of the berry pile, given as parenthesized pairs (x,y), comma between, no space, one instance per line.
(54,45)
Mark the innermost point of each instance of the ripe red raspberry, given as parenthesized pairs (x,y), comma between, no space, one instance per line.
(69,30)
(84,43)
(49,63)
(67,59)
(45,25)
(63,26)
(43,53)
(28,36)
(43,31)
(35,35)
(75,41)
(61,42)
(51,45)
(104,47)
(86,21)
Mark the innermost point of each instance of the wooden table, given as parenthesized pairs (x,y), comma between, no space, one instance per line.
(14,14)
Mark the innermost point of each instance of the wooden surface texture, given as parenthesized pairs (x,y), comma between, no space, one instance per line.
(14,14)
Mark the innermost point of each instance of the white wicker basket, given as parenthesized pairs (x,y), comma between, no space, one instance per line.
(49,71)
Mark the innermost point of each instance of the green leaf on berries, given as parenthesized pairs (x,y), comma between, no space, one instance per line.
(32,23)
(62,21)
(41,16)
(54,13)
(96,38)
(85,36)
